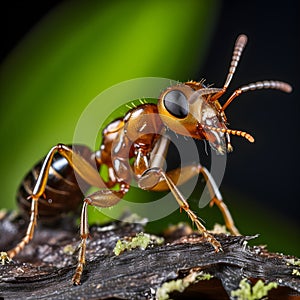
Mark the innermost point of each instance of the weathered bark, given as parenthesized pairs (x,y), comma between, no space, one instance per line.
(45,267)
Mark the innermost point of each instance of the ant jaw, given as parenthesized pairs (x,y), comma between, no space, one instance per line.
(221,150)
(243,134)
(229,147)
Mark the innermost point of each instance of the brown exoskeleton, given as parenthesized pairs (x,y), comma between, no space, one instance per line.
(129,150)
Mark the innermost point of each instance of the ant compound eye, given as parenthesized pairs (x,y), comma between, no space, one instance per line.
(176,104)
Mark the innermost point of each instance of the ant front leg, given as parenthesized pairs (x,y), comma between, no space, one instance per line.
(182,175)
(153,176)
(84,169)
(101,198)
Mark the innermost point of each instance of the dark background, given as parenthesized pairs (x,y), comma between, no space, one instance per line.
(266,171)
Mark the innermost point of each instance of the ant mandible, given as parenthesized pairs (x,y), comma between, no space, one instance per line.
(128,146)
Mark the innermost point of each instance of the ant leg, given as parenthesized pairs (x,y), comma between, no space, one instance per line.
(182,175)
(179,176)
(30,229)
(152,176)
(218,200)
(84,234)
(101,198)
(84,169)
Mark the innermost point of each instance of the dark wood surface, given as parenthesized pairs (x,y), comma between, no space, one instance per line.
(45,268)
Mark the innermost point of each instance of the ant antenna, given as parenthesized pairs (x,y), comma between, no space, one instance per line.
(239,46)
(267,84)
(243,134)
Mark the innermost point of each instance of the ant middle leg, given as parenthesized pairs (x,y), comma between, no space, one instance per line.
(101,198)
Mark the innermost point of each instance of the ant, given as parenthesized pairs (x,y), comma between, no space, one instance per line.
(134,147)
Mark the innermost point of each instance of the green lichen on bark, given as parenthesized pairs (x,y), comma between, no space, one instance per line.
(179,285)
(141,240)
(258,291)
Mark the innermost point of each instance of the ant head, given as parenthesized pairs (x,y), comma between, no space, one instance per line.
(186,110)
(192,109)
